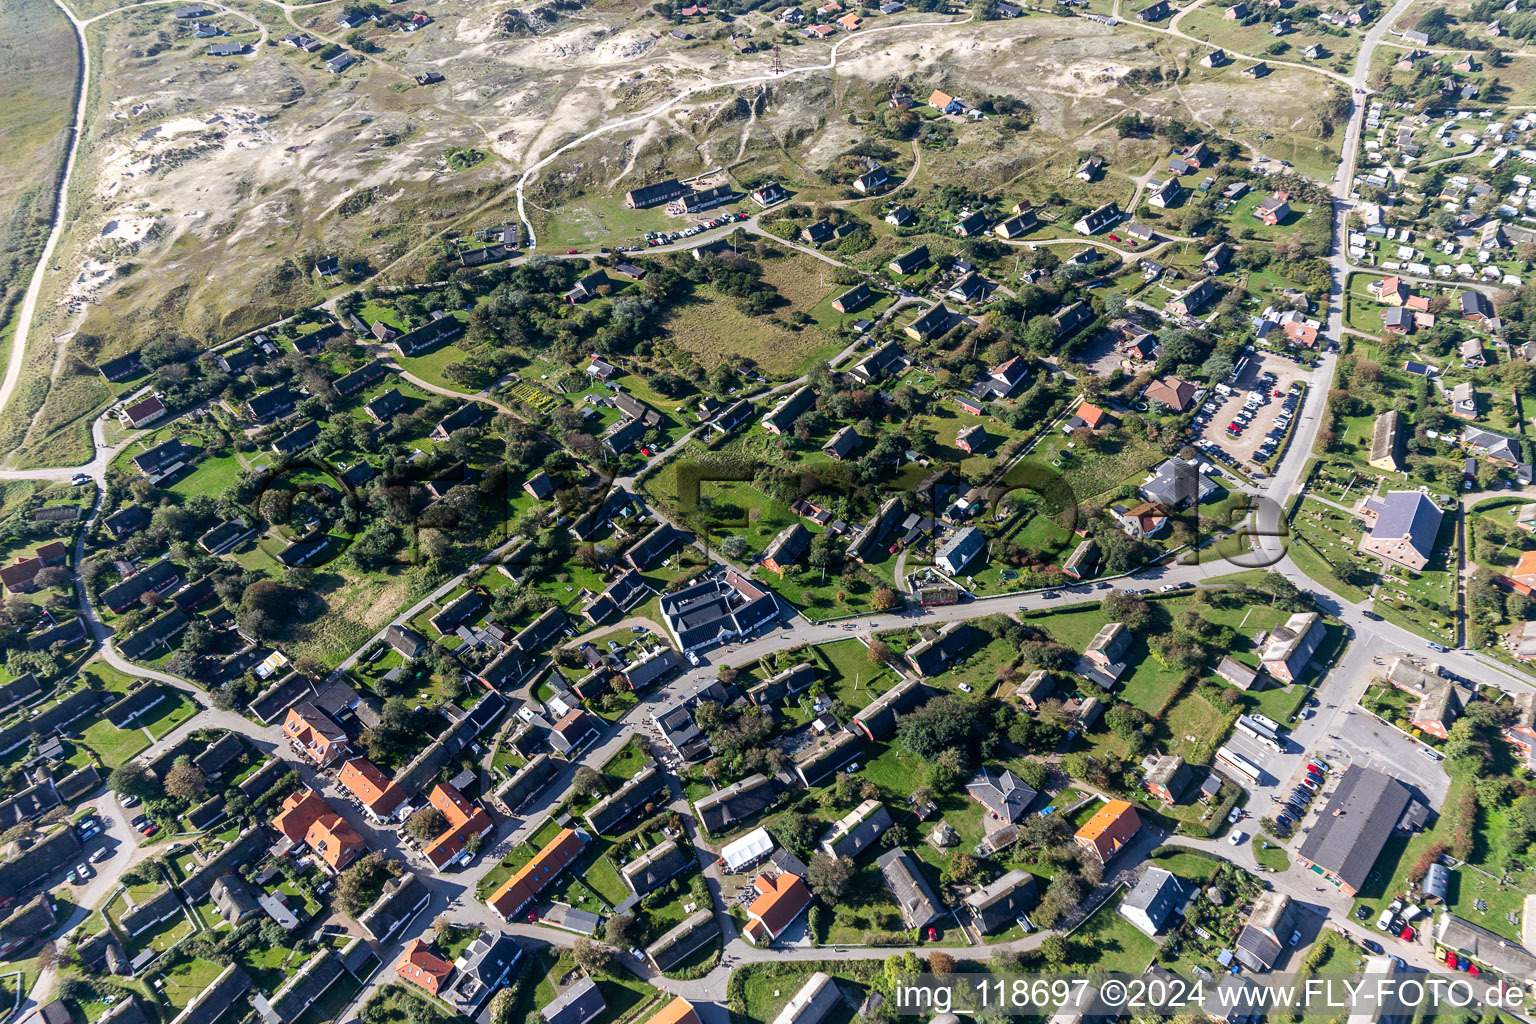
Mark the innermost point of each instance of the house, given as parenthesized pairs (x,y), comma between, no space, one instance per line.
(944,103)
(999,904)
(1154,899)
(307,819)
(1353,826)
(419,965)
(142,413)
(960,550)
(1479,946)
(783,416)
(1083,560)
(813,1003)
(1497,447)
(1216,258)
(1089,416)
(1164,193)
(909,888)
(853,299)
(1156,11)
(466,416)
(1256,70)
(1174,394)
(1406,528)
(1215,59)
(1003,794)
(163,460)
(909,262)
(1397,320)
(588,287)
(780,900)
(716,610)
(364,376)
(574,730)
(857,831)
(972,223)
(1001,381)
(770,193)
(1384,441)
(531,879)
(480,971)
(877,176)
(817,233)
(843,444)
(312,733)
(897,216)
(1104,656)
(466,824)
(1016,226)
(1274,210)
(1192,299)
(1475,307)
(1140,522)
(1099,219)
(736,802)
(936,320)
(378,795)
(1177,484)
(969,288)
(939,650)
(1291,645)
(972,440)
(121,368)
(1267,932)
(1109,830)
(1090,169)
(226,49)
(1464,401)
(1071,317)
(1390,291)
(386,406)
(655,195)
(339,63)
(1167,778)
(787,548)
(878,719)
(578,1003)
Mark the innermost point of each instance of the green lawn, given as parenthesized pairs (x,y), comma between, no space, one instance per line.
(1268,852)
(113,745)
(1108,942)
(172,712)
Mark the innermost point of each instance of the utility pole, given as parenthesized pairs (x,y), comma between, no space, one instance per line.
(778,61)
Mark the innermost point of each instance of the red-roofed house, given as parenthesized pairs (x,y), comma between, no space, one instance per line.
(1092,416)
(779,901)
(333,840)
(1392,291)
(465,822)
(300,810)
(20,576)
(546,865)
(419,965)
(380,797)
(1301,334)
(313,734)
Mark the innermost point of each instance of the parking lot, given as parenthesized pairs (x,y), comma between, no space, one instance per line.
(1253,407)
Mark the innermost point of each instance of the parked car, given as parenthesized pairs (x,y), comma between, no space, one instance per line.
(1236,838)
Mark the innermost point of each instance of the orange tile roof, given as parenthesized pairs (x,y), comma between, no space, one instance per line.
(1525,568)
(333,840)
(300,810)
(377,792)
(420,965)
(523,886)
(1091,415)
(1110,828)
(451,802)
(678,1011)
(779,902)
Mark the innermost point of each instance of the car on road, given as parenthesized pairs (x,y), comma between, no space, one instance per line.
(83,871)
(80,478)
(1295,937)
(1236,815)
(1102,586)
(570,252)
(1049,595)
(634,951)
(1167,588)
(1433,755)
(100,855)
(1371,945)
(1438,647)
(1236,838)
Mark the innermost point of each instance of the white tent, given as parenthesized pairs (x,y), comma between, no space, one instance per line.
(747,850)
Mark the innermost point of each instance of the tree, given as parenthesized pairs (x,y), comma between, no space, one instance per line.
(592,957)
(941,963)
(619,929)
(502,1005)
(589,782)
(185,781)
(879,653)
(426,824)
(884,599)
(829,877)
(797,832)
(1054,951)
(131,779)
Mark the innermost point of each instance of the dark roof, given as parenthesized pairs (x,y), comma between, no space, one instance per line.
(125,521)
(159,457)
(272,403)
(1355,824)
(154,577)
(386,406)
(298,439)
(360,378)
(470,414)
(734,803)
